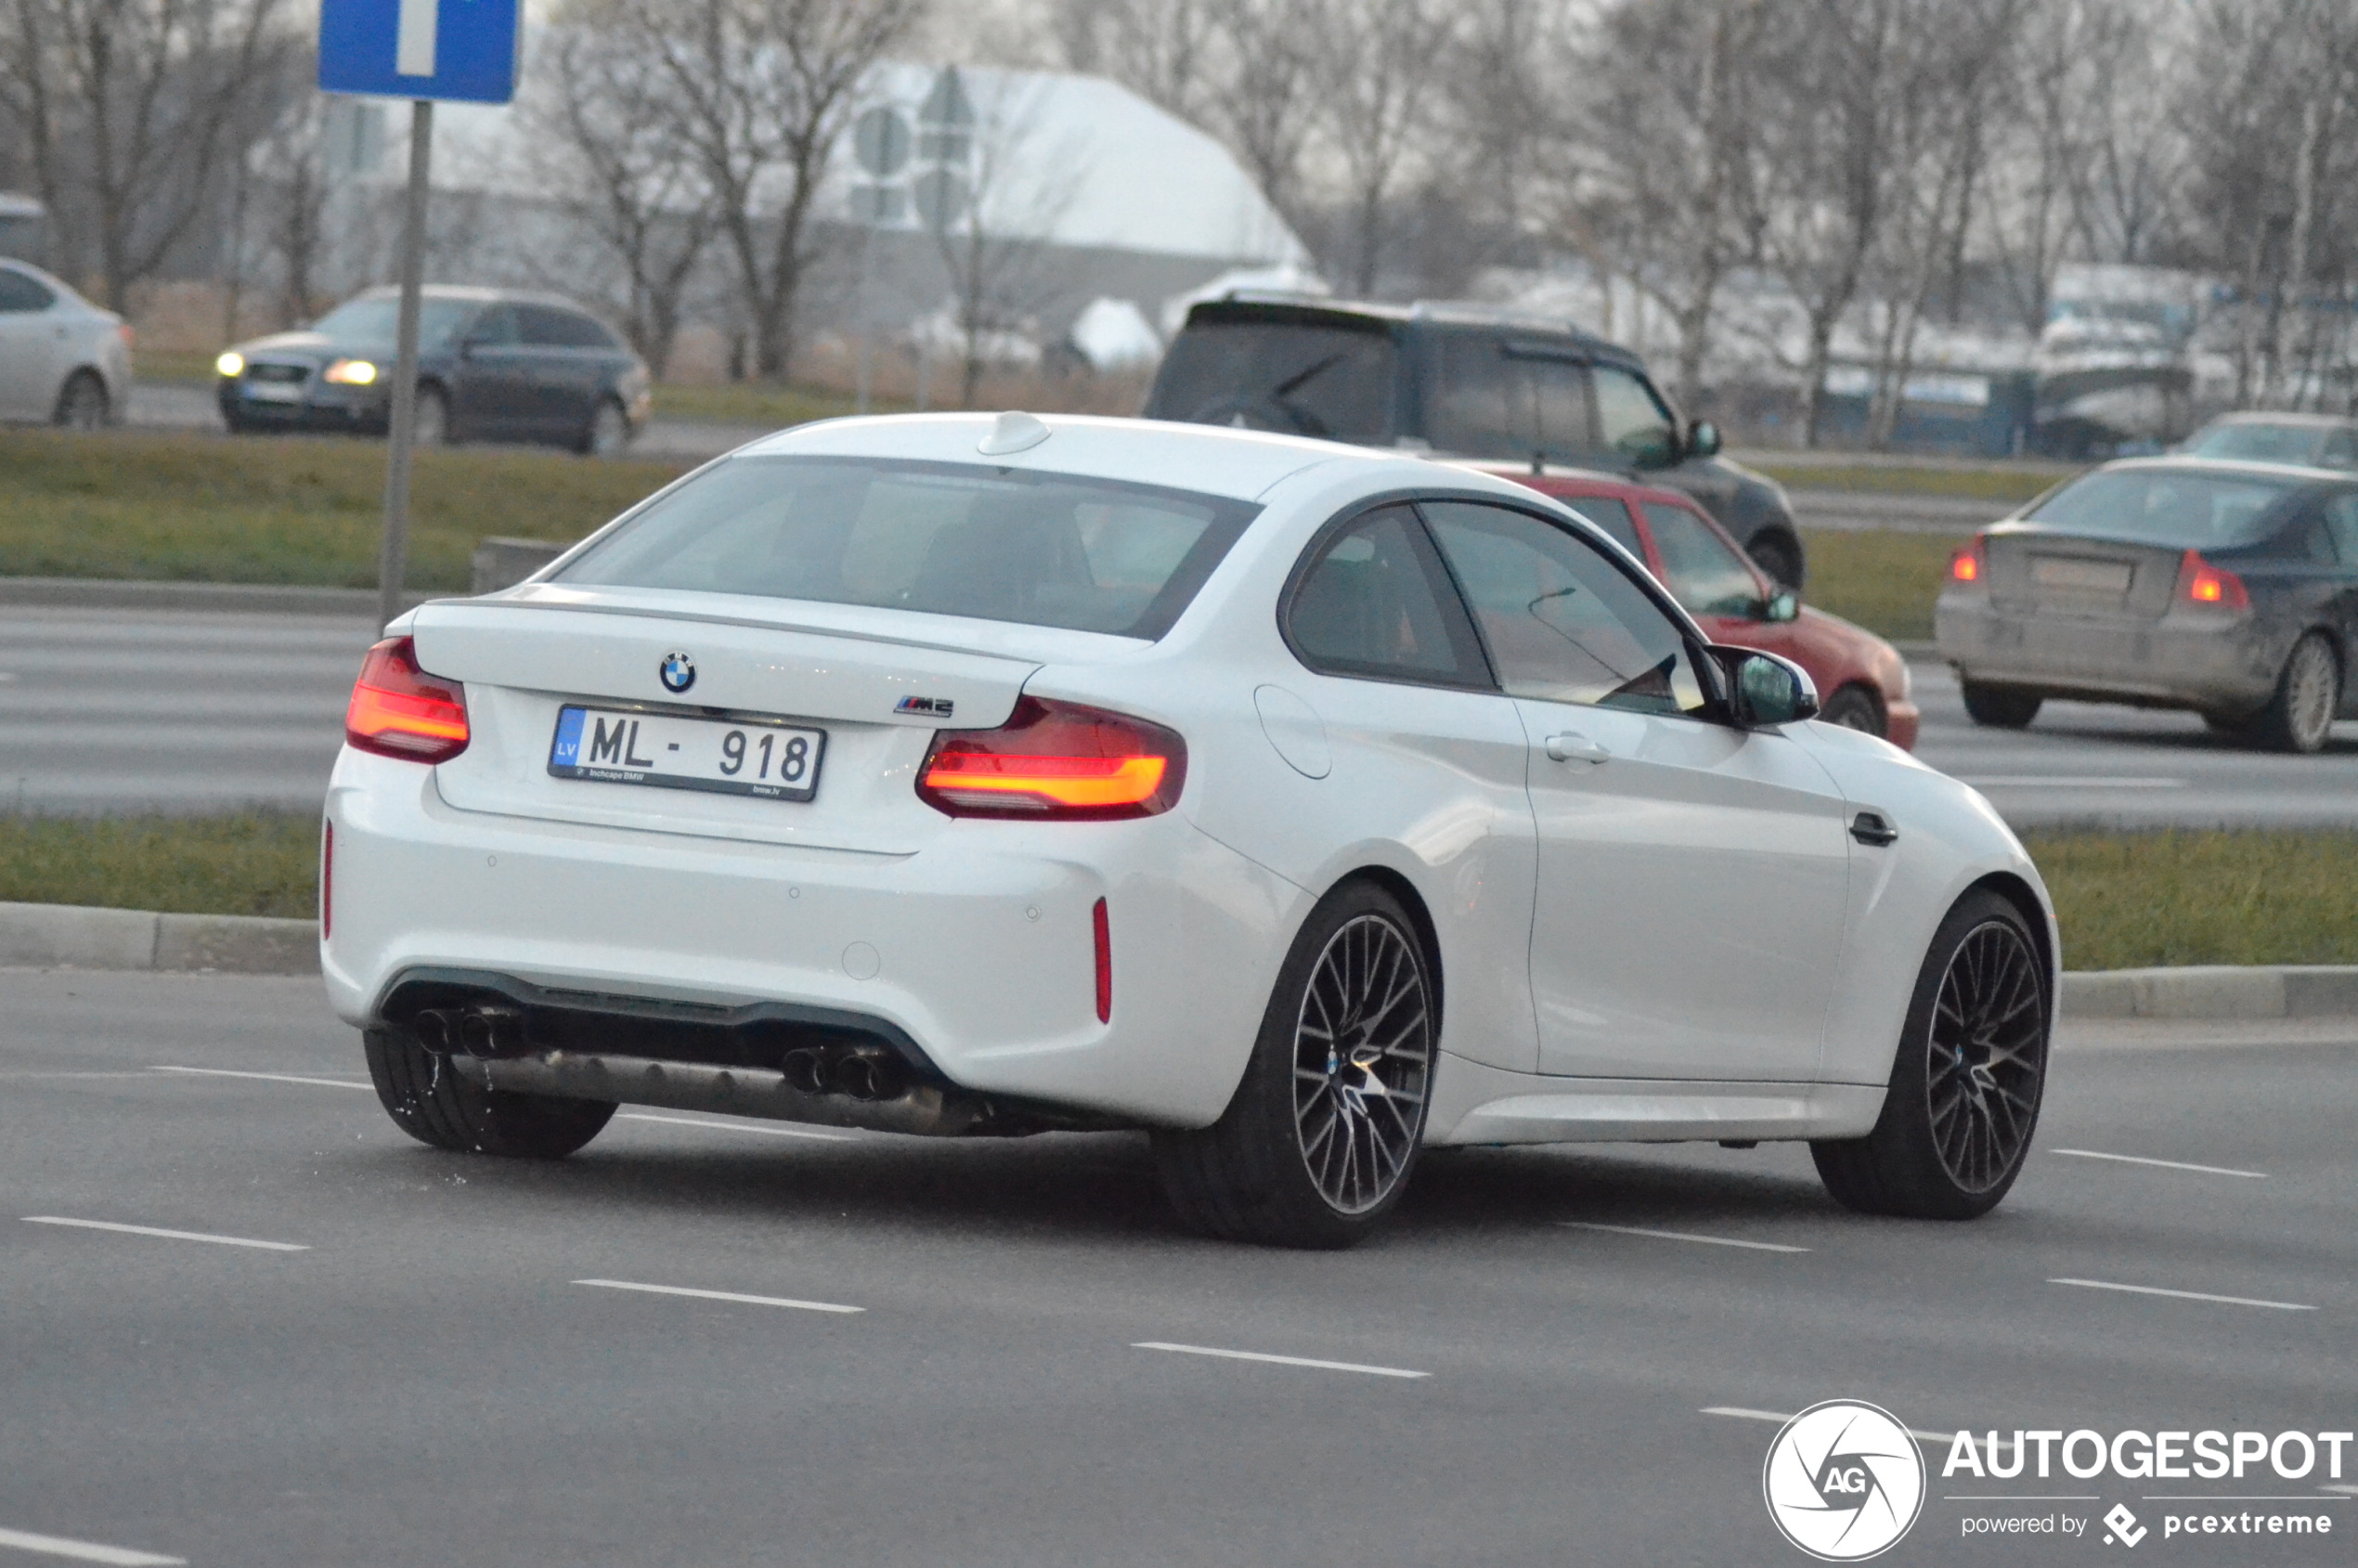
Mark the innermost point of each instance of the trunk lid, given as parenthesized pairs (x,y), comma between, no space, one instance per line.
(522,658)
(2037,572)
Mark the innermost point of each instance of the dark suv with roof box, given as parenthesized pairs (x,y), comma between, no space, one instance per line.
(1463,383)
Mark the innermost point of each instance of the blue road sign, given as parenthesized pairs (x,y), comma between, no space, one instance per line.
(467,50)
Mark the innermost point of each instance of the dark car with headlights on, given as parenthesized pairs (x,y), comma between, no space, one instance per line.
(1464,381)
(2229,590)
(492,366)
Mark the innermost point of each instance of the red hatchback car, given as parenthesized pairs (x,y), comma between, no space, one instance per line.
(1863,682)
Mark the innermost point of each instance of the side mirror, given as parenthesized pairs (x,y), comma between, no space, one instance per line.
(1781,606)
(1703,441)
(1766,690)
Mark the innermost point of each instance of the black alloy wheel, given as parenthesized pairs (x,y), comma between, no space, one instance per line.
(1967,1082)
(2000,708)
(1855,708)
(1322,1134)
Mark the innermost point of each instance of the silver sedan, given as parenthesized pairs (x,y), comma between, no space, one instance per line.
(62,359)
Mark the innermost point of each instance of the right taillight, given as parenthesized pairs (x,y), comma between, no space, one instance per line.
(1059,761)
(1970,564)
(399,710)
(2210,587)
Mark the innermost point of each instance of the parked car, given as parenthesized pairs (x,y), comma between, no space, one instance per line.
(2304,440)
(1465,383)
(492,366)
(1300,805)
(2227,588)
(62,359)
(1864,682)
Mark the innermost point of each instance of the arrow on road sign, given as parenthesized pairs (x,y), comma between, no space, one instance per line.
(414,54)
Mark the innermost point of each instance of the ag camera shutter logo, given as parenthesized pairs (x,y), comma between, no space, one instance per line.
(1844,1481)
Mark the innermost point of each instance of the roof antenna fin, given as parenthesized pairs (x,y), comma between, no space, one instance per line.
(1012,431)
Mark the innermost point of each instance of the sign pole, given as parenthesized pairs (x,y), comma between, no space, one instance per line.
(393,558)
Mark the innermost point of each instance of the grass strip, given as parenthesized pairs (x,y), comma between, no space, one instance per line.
(1883,580)
(2127,901)
(1980,482)
(179,508)
(249,862)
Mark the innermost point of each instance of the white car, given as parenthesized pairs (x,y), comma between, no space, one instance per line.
(1303,804)
(62,359)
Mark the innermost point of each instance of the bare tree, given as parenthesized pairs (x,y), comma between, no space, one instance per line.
(127,109)
(1373,70)
(607,140)
(1167,51)
(761,91)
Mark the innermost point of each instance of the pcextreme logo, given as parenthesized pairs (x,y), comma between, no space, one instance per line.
(1844,1481)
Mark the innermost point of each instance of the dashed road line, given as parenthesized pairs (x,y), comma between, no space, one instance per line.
(87,1551)
(718,1295)
(737,1127)
(167,1235)
(1683,1235)
(2165,1164)
(2185,1295)
(2096,780)
(1741,1414)
(266,1077)
(1280,1360)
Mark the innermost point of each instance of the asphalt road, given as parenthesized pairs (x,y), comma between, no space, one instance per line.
(111,710)
(439,1376)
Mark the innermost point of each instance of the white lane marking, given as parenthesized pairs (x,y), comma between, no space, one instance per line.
(167,1235)
(87,1551)
(1683,1235)
(737,1127)
(2041,781)
(1740,1413)
(266,1077)
(2345,1491)
(2185,1295)
(718,1295)
(1280,1360)
(2165,1164)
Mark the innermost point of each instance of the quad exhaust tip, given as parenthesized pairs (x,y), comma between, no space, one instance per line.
(485,1033)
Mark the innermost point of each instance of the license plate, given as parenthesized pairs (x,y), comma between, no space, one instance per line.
(273,392)
(757,756)
(2067,575)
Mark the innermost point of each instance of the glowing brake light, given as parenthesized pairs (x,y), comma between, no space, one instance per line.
(1970,560)
(2200,582)
(1056,760)
(399,710)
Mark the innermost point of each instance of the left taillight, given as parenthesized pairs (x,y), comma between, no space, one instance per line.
(399,710)
(1057,762)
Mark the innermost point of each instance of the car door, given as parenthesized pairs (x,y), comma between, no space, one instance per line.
(565,354)
(31,340)
(1693,877)
(2339,515)
(492,401)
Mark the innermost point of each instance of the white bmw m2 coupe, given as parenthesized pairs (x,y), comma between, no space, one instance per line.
(1303,805)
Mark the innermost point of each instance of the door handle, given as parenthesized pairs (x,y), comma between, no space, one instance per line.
(1874,829)
(1572,747)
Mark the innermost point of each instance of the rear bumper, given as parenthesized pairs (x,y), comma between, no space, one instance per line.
(2214,664)
(978,948)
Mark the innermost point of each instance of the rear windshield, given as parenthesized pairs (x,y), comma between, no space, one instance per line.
(2257,442)
(1040,549)
(2164,505)
(1329,381)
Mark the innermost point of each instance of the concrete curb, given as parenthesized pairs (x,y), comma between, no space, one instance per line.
(75,937)
(103,593)
(2214,991)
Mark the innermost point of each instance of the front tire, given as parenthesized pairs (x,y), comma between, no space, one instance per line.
(1967,1079)
(607,434)
(2299,717)
(429,1100)
(1320,1140)
(2000,708)
(1778,553)
(1855,708)
(429,424)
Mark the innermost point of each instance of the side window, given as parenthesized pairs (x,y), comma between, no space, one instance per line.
(1375,602)
(542,327)
(1561,622)
(1611,516)
(496,328)
(583,333)
(2341,522)
(20,293)
(1480,400)
(1701,570)
(1630,418)
(2340,450)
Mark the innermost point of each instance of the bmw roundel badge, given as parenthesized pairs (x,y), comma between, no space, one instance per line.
(678,673)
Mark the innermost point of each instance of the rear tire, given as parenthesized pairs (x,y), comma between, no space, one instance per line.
(1322,1136)
(2000,708)
(1966,1080)
(1855,708)
(82,403)
(2299,717)
(429,1100)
